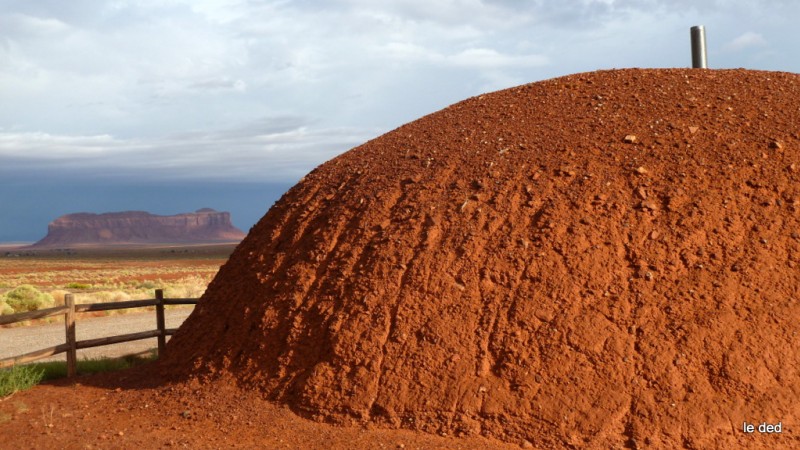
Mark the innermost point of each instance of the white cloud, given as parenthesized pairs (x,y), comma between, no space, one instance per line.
(220,84)
(443,13)
(480,58)
(490,58)
(219,11)
(747,40)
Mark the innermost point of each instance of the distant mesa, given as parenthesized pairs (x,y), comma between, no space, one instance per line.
(140,228)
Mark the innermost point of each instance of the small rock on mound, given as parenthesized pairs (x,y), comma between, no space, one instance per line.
(597,260)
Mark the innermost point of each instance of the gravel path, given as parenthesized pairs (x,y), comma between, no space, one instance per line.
(16,341)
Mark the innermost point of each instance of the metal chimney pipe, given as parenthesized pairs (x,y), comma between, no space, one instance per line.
(698,34)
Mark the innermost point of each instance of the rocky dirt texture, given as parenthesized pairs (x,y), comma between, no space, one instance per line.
(139,227)
(601,260)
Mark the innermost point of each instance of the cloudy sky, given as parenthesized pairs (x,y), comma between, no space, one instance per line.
(174,105)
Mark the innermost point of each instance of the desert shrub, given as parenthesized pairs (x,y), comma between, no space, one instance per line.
(5,309)
(97,297)
(106,297)
(78,286)
(58,296)
(147,285)
(189,287)
(28,298)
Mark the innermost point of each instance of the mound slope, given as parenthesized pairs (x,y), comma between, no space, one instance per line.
(607,258)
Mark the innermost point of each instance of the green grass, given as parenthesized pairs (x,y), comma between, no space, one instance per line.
(19,378)
(58,369)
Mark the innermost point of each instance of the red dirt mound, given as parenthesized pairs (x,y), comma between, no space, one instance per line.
(603,259)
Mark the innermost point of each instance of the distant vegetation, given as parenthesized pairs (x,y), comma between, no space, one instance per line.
(28,298)
(28,284)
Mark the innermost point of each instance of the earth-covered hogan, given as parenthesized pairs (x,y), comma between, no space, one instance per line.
(603,259)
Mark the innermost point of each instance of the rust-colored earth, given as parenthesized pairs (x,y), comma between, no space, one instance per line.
(135,410)
(603,260)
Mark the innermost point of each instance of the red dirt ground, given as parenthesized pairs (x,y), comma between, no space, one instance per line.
(603,260)
(132,410)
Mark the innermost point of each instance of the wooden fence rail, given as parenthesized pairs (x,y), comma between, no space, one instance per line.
(72,345)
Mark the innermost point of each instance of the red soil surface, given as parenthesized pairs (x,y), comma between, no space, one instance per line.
(603,260)
(134,410)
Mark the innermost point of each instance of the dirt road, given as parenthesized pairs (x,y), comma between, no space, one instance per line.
(16,341)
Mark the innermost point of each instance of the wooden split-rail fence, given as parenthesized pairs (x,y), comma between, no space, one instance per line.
(72,345)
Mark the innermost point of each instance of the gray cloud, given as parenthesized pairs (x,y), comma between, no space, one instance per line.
(124,86)
(280,149)
(16,24)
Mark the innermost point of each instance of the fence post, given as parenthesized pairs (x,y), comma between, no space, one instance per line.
(69,324)
(160,323)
